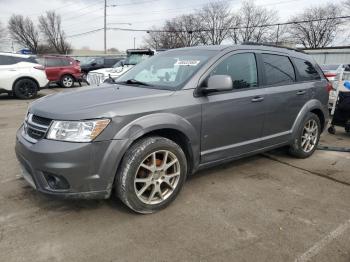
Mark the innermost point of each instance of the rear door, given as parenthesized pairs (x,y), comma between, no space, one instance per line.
(53,67)
(8,71)
(232,121)
(284,98)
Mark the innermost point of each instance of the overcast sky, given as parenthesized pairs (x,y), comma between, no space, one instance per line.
(79,16)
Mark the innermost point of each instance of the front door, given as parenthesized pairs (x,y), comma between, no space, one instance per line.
(232,121)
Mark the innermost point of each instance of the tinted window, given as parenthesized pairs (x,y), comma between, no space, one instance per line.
(306,70)
(241,68)
(6,60)
(65,62)
(53,62)
(110,62)
(278,69)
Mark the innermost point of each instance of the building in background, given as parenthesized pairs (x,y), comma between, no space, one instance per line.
(330,55)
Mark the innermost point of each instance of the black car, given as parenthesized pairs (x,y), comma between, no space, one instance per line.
(98,63)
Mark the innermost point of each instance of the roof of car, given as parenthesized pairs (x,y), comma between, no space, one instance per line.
(15,54)
(250,46)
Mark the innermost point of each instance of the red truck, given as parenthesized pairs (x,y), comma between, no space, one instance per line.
(63,70)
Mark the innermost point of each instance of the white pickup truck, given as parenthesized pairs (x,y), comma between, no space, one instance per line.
(133,57)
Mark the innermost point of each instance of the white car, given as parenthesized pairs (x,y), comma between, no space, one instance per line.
(134,56)
(21,75)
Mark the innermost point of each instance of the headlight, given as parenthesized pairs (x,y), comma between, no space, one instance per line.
(77,131)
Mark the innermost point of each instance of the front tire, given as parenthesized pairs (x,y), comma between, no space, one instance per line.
(67,81)
(25,89)
(307,138)
(151,174)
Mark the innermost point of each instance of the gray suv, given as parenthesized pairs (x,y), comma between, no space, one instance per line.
(173,114)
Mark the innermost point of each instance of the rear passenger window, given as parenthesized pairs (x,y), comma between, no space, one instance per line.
(241,68)
(306,70)
(278,69)
(52,62)
(65,62)
(7,60)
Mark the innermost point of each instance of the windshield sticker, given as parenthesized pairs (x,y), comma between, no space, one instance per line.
(187,62)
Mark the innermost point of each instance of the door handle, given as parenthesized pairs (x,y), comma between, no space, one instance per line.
(257,99)
(301,92)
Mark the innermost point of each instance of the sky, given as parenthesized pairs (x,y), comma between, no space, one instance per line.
(79,16)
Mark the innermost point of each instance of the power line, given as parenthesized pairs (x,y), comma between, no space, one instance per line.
(208,30)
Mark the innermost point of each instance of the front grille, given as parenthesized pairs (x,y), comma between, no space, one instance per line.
(95,78)
(41,120)
(35,127)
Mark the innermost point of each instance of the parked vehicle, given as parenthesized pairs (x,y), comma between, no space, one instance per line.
(134,56)
(332,73)
(21,75)
(63,70)
(98,63)
(175,113)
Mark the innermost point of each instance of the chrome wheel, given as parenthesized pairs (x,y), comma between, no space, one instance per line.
(309,136)
(157,177)
(67,81)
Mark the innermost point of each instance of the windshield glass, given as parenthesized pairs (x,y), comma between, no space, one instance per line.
(119,64)
(169,70)
(329,67)
(134,59)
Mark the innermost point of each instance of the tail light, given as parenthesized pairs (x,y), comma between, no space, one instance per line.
(330,75)
(39,67)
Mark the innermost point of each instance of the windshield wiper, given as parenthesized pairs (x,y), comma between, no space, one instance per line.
(133,82)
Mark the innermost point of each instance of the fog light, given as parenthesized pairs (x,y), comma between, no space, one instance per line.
(56,182)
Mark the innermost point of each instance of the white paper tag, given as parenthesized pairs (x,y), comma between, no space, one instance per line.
(187,62)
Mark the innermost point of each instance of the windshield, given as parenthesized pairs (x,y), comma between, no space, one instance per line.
(329,67)
(169,70)
(119,63)
(134,58)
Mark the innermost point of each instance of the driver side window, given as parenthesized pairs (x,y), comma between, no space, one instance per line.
(242,69)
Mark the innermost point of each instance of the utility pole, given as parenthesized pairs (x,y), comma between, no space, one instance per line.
(134,42)
(105,27)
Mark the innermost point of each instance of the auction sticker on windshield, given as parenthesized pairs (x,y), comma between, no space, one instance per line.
(187,62)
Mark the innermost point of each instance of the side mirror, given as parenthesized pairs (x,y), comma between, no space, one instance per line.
(218,83)
(93,64)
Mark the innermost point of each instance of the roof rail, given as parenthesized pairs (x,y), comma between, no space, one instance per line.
(272,45)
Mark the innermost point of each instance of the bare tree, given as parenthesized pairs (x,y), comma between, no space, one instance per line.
(250,22)
(216,20)
(2,32)
(321,31)
(24,32)
(178,32)
(50,26)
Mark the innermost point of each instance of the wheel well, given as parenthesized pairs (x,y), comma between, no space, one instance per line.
(179,138)
(320,116)
(25,77)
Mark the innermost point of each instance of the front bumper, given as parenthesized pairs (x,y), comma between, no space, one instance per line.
(89,168)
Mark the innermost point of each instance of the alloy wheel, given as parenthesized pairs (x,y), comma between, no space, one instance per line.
(67,81)
(309,136)
(157,177)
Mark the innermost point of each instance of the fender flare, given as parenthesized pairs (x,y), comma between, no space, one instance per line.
(158,121)
(307,108)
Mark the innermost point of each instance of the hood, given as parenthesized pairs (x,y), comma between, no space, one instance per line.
(108,100)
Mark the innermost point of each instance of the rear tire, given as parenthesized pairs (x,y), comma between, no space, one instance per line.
(67,81)
(307,138)
(151,174)
(25,89)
